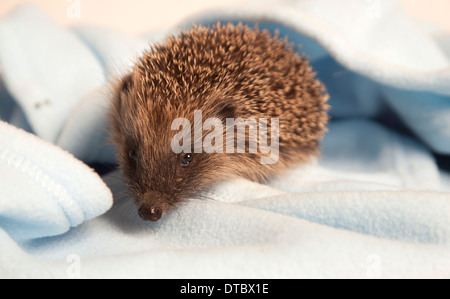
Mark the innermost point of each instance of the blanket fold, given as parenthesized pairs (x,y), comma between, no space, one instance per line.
(44,191)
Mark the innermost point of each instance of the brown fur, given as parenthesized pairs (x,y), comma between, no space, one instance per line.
(225,71)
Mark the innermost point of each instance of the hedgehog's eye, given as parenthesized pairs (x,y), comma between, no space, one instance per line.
(132,155)
(187,159)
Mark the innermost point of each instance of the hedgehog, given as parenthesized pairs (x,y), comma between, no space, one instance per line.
(223,72)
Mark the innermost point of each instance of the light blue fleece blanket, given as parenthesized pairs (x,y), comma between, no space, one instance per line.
(375,205)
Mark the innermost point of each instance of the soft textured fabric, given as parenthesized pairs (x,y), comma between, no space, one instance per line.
(43,190)
(375,204)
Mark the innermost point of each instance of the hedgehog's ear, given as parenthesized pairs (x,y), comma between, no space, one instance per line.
(222,105)
(126,84)
(123,88)
(227,109)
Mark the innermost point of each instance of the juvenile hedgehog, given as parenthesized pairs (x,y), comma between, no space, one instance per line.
(224,71)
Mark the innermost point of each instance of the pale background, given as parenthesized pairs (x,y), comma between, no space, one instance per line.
(140,16)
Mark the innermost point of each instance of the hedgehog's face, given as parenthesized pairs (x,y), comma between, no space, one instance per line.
(158,177)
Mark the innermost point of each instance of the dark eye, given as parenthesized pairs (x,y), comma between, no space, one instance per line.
(132,155)
(187,159)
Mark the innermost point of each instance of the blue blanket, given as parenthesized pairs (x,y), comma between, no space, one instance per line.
(374,205)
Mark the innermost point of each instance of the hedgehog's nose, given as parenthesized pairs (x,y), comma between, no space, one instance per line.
(149,213)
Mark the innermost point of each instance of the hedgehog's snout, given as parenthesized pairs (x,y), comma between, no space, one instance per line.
(152,205)
(149,213)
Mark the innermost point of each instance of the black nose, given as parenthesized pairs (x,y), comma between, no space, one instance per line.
(149,213)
